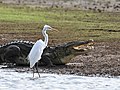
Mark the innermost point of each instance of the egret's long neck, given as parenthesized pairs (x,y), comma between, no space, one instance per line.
(45,37)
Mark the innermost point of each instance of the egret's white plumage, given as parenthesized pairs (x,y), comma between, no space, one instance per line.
(37,49)
(36,52)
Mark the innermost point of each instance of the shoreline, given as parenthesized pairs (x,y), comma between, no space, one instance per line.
(58,70)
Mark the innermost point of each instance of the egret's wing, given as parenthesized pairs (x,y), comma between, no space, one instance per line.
(36,52)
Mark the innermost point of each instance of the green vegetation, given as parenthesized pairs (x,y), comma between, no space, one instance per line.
(72,24)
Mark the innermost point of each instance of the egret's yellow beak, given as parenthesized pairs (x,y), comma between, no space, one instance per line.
(54,29)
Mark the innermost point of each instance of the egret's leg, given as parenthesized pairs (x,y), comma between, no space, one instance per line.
(37,69)
(33,70)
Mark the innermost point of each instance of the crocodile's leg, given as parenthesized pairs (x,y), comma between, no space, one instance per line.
(46,60)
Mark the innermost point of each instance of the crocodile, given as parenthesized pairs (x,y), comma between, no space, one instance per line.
(16,52)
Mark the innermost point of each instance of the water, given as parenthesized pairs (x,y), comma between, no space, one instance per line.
(11,80)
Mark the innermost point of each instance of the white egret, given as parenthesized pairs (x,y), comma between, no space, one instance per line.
(37,49)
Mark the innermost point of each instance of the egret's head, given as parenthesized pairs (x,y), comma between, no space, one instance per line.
(47,27)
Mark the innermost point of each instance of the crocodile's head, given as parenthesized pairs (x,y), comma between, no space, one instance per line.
(75,48)
(79,47)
